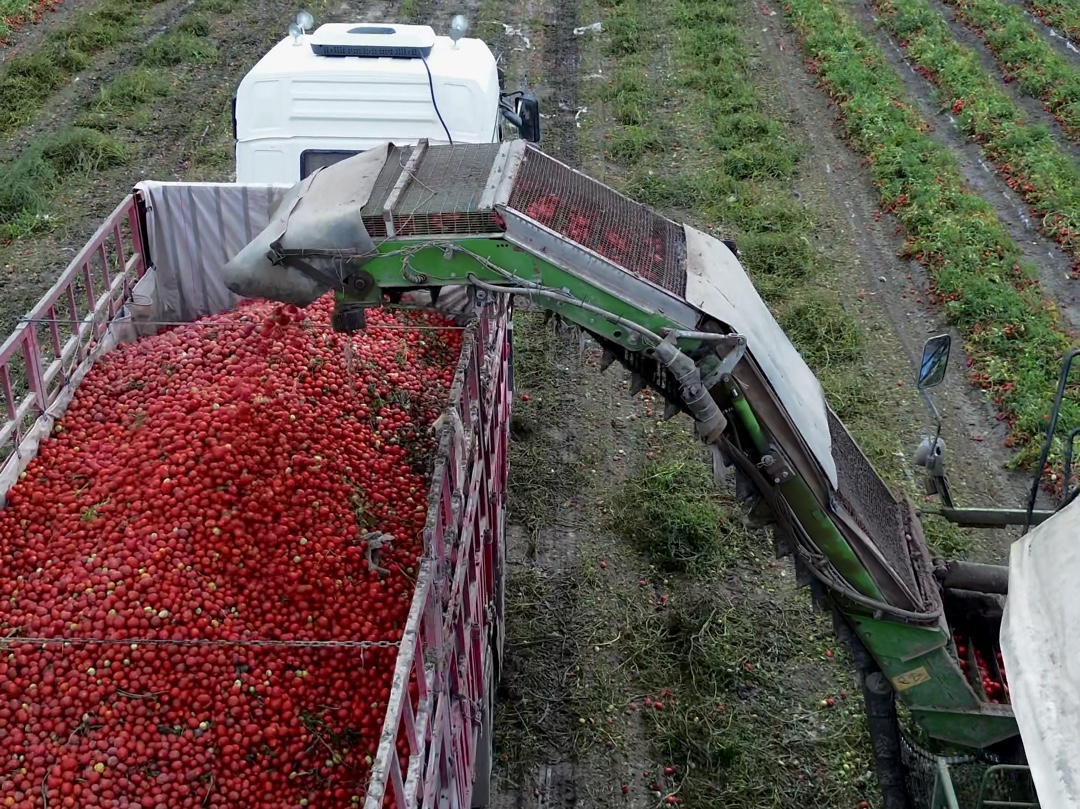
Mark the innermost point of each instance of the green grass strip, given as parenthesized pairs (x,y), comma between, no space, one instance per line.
(1026,57)
(27,184)
(1045,177)
(1012,332)
(29,79)
(1060,14)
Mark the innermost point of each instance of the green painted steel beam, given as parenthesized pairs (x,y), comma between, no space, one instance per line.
(917,660)
(824,533)
(442,267)
(808,511)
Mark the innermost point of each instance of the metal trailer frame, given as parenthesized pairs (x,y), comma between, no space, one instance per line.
(997,788)
(453,636)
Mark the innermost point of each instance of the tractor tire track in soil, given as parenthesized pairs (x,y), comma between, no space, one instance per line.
(562,58)
(1053,264)
(886,292)
(573,438)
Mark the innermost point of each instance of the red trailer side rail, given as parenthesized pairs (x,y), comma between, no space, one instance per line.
(456,614)
(38,359)
(428,753)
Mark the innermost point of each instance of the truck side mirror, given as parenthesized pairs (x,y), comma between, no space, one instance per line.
(935,359)
(528,110)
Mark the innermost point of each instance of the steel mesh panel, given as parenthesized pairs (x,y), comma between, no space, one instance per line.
(442,197)
(863,493)
(596,217)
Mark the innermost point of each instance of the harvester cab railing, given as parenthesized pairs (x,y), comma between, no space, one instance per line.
(1048,442)
(1002,786)
(930,454)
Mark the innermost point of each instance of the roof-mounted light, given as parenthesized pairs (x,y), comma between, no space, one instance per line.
(297,30)
(458,26)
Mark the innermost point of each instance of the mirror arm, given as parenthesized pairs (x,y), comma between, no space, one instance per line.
(511,116)
(943,490)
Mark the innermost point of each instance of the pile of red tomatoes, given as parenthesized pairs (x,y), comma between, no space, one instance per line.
(211,486)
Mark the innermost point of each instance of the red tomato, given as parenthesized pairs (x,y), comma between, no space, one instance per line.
(212,482)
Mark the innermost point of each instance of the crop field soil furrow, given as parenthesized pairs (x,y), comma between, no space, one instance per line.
(80,49)
(1026,57)
(988,291)
(136,66)
(1053,265)
(1047,178)
(1026,68)
(18,17)
(562,60)
(568,729)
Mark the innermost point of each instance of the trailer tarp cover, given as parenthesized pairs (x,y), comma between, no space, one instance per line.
(1040,644)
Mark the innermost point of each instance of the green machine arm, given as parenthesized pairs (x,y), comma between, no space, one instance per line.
(673,305)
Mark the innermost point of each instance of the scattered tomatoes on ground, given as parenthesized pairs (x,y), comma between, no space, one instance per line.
(21,13)
(210,486)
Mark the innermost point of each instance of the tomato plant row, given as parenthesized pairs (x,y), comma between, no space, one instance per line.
(1026,57)
(216,484)
(1044,176)
(14,14)
(1060,14)
(1012,333)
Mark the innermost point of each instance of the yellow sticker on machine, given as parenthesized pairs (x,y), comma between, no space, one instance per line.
(910,679)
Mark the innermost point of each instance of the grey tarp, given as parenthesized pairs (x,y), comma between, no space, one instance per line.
(194,230)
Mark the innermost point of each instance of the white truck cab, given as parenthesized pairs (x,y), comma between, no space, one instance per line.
(313,100)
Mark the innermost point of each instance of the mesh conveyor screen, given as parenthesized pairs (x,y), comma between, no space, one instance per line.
(441,197)
(596,217)
(864,493)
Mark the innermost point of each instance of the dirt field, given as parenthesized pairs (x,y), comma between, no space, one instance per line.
(658,653)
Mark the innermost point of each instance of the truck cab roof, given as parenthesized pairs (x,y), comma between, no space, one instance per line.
(386,82)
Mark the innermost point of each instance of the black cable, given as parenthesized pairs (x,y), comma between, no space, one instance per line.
(434,103)
(817,564)
(1063,382)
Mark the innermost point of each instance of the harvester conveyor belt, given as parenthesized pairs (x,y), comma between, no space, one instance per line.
(509,218)
(606,240)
